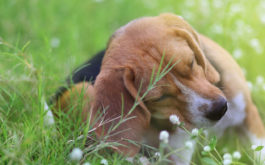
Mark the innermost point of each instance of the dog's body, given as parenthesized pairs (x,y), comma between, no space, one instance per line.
(198,89)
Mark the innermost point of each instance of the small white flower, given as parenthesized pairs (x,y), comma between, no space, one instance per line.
(157,154)
(55,42)
(260,80)
(195,132)
(76,154)
(144,160)
(207,148)
(237,53)
(253,147)
(174,119)
(236,155)
(86,163)
(227,162)
(189,144)
(163,136)
(227,156)
(216,28)
(255,44)
(262,18)
(235,8)
(104,162)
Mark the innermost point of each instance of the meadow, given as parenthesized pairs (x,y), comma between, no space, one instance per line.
(42,41)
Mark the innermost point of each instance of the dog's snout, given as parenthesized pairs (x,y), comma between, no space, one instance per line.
(218,109)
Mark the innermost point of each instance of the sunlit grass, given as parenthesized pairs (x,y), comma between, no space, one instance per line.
(42,41)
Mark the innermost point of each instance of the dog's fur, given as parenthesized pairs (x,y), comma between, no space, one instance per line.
(197,89)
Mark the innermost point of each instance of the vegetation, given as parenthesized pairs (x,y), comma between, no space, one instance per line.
(42,41)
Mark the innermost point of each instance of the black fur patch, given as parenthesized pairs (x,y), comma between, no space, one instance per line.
(86,72)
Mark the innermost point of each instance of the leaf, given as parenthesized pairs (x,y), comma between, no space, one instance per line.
(213,142)
(259,148)
(208,161)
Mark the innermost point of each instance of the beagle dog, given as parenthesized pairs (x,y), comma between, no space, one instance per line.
(205,87)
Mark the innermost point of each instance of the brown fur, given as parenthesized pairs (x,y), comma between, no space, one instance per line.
(132,53)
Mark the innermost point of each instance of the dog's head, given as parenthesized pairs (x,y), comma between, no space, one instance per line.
(134,53)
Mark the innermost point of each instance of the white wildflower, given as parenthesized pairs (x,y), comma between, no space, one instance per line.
(253,147)
(189,144)
(144,160)
(262,18)
(255,44)
(236,155)
(195,132)
(227,156)
(216,28)
(76,154)
(86,163)
(260,80)
(163,136)
(157,154)
(104,162)
(237,53)
(235,8)
(207,148)
(249,29)
(174,119)
(55,42)
(227,162)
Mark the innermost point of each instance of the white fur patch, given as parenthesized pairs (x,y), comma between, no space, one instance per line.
(194,102)
(182,155)
(234,116)
(259,142)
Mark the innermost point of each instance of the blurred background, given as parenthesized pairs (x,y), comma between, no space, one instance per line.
(42,41)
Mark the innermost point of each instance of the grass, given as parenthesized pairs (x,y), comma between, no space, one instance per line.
(41,42)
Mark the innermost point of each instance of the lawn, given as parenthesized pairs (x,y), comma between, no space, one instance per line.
(42,41)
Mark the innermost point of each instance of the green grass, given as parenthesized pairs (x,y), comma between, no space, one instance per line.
(31,68)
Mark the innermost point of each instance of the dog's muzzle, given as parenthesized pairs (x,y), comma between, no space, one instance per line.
(218,109)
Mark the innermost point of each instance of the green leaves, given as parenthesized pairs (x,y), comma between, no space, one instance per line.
(213,142)
(208,161)
(259,148)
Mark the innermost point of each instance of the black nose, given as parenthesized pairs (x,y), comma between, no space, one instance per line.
(218,109)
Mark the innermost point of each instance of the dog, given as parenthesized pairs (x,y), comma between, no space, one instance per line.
(205,87)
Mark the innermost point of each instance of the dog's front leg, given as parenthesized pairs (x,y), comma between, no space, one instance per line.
(182,155)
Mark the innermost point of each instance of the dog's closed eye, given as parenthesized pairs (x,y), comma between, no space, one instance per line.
(192,63)
(162,98)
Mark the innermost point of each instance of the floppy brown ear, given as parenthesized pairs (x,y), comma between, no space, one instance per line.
(209,51)
(115,96)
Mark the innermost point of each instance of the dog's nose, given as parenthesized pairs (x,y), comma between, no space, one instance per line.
(218,109)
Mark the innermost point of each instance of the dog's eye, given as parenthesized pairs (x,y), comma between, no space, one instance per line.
(163,97)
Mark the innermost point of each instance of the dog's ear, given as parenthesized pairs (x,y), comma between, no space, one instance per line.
(118,113)
(197,46)
(209,52)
